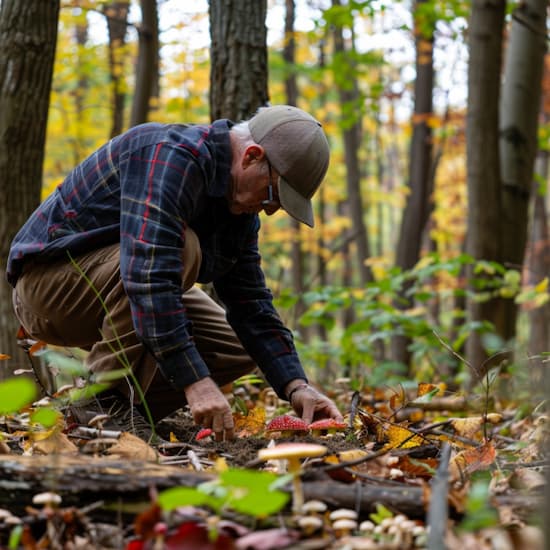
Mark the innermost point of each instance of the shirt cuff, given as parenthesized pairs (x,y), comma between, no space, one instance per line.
(280,373)
(184,368)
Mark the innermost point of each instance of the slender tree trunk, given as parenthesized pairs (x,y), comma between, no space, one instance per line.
(417,208)
(117,24)
(147,72)
(519,110)
(238,52)
(291,89)
(28,35)
(351,122)
(483,170)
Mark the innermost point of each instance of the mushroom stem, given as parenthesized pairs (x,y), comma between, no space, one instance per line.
(298,494)
(297,491)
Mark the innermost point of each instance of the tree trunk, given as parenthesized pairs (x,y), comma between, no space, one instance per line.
(28,35)
(238,53)
(417,208)
(519,110)
(291,89)
(483,171)
(147,72)
(117,23)
(346,83)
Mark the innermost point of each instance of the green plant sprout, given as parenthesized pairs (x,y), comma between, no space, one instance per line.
(249,492)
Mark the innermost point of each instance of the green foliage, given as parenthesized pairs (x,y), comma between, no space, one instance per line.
(249,492)
(402,303)
(480,514)
(16,394)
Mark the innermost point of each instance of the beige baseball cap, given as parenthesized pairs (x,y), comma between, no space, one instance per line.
(296,146)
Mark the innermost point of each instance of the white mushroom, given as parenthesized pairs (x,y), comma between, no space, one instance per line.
(343,513)
(343,527)
(47,499)
(310,524)
(314,507)
(366,526)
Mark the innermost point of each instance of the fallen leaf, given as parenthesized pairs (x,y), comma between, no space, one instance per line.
(401,437)
(3,356)
(471,460)
(132,447)
(469,427)
(251,424)
(56,443)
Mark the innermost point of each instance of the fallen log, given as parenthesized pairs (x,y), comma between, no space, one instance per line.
(364,497)
(81,480)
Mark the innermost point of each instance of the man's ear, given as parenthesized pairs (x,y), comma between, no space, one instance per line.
(253,153)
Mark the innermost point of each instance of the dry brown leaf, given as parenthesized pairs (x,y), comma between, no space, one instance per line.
(471,460)
(526,479)
(132,447)
(472,426)
(56,443)
(421,467)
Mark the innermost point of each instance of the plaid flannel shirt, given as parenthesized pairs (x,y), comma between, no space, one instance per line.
(142,189)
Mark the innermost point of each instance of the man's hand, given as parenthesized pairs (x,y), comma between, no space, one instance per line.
(311,404)
(210,408)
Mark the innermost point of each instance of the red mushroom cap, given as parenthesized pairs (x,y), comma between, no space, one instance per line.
(287,423)
(205,432)
(327,424)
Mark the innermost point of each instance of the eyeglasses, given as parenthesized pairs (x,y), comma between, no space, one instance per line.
(270,204)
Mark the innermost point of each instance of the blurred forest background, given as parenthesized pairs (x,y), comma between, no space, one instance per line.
(430,255)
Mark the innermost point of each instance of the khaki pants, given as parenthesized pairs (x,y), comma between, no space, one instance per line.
(57,305)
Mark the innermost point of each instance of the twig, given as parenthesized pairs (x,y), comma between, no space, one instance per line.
(438,511)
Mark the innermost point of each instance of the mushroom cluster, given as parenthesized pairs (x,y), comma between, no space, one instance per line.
(288,425)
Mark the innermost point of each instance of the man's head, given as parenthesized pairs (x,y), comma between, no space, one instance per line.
(297,148)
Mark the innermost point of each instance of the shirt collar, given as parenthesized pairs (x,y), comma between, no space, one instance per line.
(218,138)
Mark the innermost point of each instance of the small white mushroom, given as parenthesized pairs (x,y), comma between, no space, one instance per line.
(310,524)
(98,420)
(366,526)
(343,513)
(343,527)
(314,507)
(47,499)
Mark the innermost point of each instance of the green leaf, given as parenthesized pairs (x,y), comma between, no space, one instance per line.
(15,394)
(252,493)
(45,416)
(173,498)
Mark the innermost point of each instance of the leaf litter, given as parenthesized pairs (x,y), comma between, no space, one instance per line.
(381,470)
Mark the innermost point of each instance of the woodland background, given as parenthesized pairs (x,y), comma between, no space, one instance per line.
(430,254)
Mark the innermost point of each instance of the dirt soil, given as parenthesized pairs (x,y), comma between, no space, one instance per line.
(241,452)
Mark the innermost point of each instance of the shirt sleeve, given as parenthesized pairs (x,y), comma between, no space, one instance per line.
(160,187)
(251,313)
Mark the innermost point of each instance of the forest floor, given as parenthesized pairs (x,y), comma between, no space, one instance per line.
(416,467)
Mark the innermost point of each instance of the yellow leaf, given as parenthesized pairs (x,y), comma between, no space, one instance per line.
(251,424)
(542,286)
(3,356)
(468,427)
(398,436)
(220,464)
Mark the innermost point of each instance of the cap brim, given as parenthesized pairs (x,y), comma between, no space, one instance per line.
(295,204)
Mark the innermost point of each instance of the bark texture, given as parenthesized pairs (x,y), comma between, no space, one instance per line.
(28,35)
(238,73)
